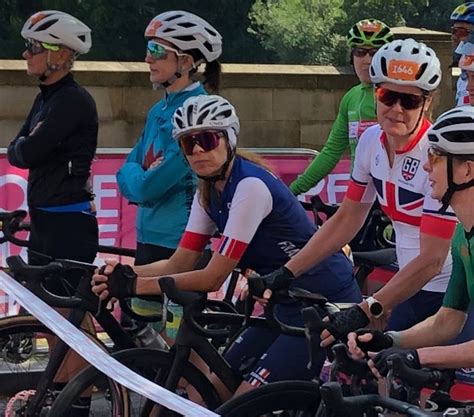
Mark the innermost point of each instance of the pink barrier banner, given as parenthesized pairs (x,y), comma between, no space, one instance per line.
(117,218)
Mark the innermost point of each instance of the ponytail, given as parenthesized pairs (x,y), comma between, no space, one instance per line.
(212,76)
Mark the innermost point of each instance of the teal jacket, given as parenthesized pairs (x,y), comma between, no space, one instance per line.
(163,194)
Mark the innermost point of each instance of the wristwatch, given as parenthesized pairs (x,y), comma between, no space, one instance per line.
(375,307)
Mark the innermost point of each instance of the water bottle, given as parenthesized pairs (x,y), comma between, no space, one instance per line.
(172,327)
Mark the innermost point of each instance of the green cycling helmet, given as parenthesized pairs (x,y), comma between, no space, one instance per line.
(369,32)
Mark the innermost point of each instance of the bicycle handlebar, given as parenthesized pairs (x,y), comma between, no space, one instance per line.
(33,277)
(338,406)
(11,223)
(420,378)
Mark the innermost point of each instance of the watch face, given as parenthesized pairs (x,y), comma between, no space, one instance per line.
(376,309)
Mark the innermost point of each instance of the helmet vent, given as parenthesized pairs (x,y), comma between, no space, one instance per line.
(433,138)
(421,71)
(202,117)
(211,32)
(398,48)
(415,51)
(174,17)
(187,24)
(383,65)
(189,114)
(46,25)
(82,38)
(434,79)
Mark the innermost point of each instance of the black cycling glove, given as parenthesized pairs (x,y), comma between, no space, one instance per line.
(280,279)
(122,281)
(379,341)
(343,322)
(409,357)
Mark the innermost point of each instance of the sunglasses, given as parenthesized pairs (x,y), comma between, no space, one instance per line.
(207,140)
(460,32)
(159,51)
(361,52)
(35,47)
(407,101)
(435,155)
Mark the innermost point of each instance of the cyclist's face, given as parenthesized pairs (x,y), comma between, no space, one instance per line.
(460,32)
(396,121)
(208,163)
(164,68)
(436,167)
(362,63)
(37,63)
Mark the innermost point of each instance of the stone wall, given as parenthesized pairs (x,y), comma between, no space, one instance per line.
(279,105)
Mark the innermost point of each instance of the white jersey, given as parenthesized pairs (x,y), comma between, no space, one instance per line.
(404,193)
(462,95)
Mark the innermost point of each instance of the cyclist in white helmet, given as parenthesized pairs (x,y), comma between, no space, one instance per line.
(156,176)
(57,143)
(450,168)
(388,166)
(261,226)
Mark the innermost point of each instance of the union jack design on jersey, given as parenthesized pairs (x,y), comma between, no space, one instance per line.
(404,192)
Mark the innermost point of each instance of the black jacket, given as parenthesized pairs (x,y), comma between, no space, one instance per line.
(57,144)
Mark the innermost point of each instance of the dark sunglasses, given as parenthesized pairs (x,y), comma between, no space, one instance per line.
(460,31)
(435,155)
(36,47)
(407,101)
(207,140)
(361,52)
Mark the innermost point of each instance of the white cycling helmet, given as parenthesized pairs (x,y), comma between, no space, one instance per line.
(406,62)
(186,31)
(206,112)
(58,28)
(209,112)
(453,131)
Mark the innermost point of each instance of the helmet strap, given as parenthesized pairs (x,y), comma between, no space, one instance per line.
(178,74)
(452,186)
(419,117)
(51,68)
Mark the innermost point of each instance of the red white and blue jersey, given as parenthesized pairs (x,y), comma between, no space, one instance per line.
(404,193)
(262,226)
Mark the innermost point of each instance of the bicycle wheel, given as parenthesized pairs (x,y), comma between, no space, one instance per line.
(282,399)
(23,355)
(111,399)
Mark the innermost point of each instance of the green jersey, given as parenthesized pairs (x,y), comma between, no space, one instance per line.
(356,113)
(460,290)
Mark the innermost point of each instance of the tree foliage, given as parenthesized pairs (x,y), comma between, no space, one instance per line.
(280,31)
(311,31)
(299,31)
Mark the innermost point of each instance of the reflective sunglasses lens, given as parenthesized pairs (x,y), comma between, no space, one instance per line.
(407,101)
(205,140)
(155,50)
(33,47)
(435,155)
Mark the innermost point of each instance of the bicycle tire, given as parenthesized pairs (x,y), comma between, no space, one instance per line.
(148,362)
(24,353)
(282,399)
